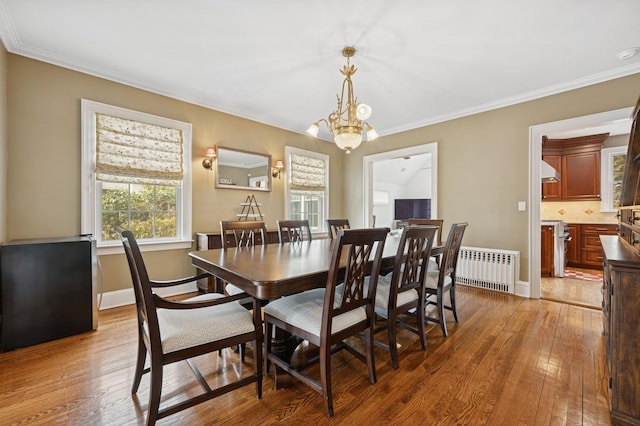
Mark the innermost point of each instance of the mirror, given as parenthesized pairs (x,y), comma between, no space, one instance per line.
(238,169)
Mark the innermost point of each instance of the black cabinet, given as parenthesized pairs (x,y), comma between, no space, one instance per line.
(48,290)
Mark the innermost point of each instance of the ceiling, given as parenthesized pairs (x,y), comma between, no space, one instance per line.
(277,62)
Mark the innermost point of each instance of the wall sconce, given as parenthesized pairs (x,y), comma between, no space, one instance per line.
(207,163)
(275,172)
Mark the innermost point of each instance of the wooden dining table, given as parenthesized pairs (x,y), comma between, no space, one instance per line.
(270,271)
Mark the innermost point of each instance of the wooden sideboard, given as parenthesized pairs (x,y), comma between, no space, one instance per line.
(621,299)
(213,240)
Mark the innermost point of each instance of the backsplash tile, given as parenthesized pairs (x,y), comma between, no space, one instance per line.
(576,212)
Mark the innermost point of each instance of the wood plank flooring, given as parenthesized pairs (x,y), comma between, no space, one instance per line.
(574,291)
(509,361)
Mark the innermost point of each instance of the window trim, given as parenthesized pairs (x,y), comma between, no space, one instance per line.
(89,185)
(606,177)
(288,150)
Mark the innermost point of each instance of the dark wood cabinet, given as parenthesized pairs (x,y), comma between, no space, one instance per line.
(577,160)
(621,291)
(574,244)
(546,247)
(591,249)
(213,240)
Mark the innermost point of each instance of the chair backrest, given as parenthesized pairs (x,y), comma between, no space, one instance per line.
(242,233)
(293,230)
(335,225)
(145,302)
(449,259)
(360,252)
(412,261)
(431,222)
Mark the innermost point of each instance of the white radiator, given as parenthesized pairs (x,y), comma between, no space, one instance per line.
(491,269)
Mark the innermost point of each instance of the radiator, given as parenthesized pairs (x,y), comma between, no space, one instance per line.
(491,269)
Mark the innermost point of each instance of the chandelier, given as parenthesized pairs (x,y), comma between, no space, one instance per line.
(347,122)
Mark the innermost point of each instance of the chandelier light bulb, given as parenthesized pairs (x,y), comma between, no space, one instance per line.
(363,111)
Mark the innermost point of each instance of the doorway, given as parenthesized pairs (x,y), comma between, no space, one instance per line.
(420,164)
(609,121)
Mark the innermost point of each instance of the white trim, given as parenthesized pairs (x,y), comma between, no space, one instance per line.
(288,150)
(367,168)
(89,216)
(114,299)
(535,190)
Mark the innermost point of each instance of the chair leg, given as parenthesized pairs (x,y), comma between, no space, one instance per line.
(268,332)
(440,307)
(393,348)
(325,378)
(155,390)
(421,327)
(452,296)
(142,357)
(371,362)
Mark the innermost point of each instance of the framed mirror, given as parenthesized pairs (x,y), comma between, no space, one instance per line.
(239,169)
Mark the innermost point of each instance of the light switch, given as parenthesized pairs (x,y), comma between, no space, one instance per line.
(522,206)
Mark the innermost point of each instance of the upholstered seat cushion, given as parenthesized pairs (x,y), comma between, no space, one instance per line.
(184,328)
(432,279)
(382,295)
(304,311)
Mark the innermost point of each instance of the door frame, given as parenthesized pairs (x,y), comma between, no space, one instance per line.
(594,122)
(367,167)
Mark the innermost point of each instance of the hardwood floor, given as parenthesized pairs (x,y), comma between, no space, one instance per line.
(510,360)
(573,291)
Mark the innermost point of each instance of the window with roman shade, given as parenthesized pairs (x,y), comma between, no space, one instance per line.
(307,192)
(136,174)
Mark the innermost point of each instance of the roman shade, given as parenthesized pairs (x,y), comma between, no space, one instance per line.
(307,173)
(128,151)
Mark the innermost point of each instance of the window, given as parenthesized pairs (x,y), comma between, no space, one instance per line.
(136,173)
(612,166)
(307,194)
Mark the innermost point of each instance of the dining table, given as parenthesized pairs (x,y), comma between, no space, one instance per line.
(270,271)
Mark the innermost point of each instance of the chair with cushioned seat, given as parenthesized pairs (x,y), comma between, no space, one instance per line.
(403,291)
(171,331)
(441,280)
(293,230)
(325,317)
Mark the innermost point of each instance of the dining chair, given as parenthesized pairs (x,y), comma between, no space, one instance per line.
(293,230)
(241,233)
(325,317)
(430,222)
(403,291)
(170,331)
(334,225)
(434,260)
(443,279)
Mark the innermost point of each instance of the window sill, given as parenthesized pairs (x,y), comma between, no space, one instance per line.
(146,246)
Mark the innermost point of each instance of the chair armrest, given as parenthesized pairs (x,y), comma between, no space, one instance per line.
(179,281)
(170,304)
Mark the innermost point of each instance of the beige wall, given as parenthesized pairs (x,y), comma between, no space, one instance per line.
(482,170)
(483,162)
(3,143)
(43,194)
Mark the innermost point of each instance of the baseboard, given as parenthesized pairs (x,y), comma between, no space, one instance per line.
(114,299)
(523,289)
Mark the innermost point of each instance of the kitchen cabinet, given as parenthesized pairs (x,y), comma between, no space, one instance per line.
(546,247)
(573,245)
(577,160)
(584,250)
(591,248)
(621,321)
